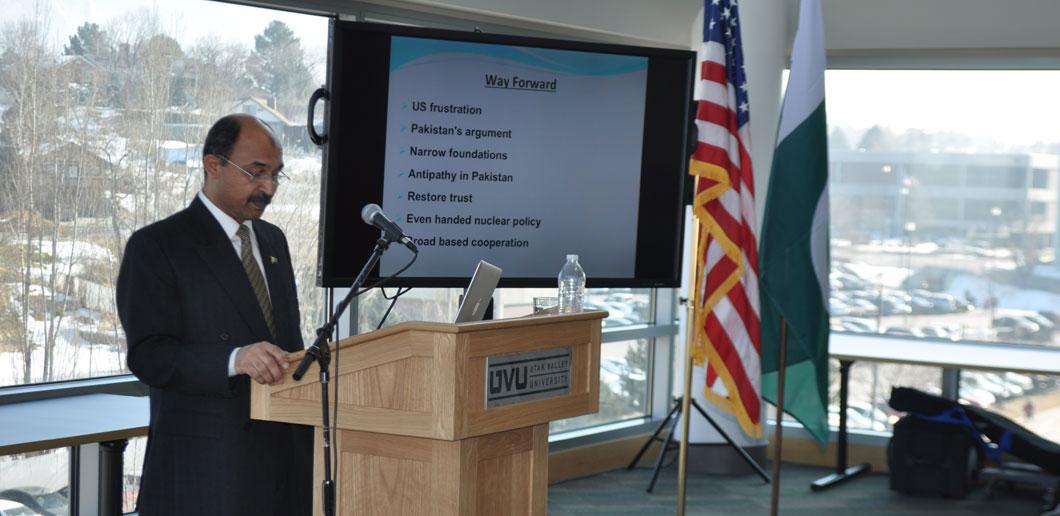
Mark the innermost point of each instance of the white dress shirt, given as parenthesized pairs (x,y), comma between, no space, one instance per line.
(230,227)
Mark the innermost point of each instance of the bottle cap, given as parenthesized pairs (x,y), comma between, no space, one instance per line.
(572,257)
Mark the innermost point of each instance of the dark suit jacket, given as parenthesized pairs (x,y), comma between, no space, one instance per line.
(186,303)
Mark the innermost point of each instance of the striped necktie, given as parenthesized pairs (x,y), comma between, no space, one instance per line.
(257,281)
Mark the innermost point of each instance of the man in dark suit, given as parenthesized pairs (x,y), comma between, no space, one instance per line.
(208,302)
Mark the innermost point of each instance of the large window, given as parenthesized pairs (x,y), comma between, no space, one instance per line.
(1030,400)
(35,483)
(944,224)
(950,251)
(103,110)
(624,364)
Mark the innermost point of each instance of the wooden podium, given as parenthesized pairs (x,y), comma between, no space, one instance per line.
(446,419)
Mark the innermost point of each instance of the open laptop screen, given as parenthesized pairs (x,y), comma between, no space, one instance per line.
(479,292)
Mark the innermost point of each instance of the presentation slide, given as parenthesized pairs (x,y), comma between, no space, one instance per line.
(515,155)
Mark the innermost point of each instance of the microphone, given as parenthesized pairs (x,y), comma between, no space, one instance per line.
(373,215)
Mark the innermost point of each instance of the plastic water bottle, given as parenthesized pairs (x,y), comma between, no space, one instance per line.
(571,286)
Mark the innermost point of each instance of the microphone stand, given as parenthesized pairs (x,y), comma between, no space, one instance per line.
(320,353)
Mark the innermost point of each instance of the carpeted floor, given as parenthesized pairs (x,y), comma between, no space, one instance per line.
(622,492)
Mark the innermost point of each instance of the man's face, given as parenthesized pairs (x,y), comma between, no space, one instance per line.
(232,190)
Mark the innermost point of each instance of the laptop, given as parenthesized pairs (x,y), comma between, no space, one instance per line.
(479,292)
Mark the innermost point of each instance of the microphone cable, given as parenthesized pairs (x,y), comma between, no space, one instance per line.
(383,281)
(393,301)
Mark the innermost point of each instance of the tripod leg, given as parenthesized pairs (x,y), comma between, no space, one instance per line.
(747,458)
(655,436)
(662,453)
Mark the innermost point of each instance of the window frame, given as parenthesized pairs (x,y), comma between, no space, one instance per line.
(933,59)
(664,325)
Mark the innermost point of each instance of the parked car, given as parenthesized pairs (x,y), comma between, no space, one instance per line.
(856,325)
(1011,388)
(897,331)
(613,370)
(39,500)
(13,508)
(977,381)
(1009,326)
(941,302)
(938,331)
(837,307)
(976,396)
(893,306)
(862,307)
(1046,327)
(846,281)
(1024,381)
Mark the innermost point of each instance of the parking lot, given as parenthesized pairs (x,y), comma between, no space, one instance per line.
(974,325)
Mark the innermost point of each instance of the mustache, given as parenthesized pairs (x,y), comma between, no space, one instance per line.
(261,198)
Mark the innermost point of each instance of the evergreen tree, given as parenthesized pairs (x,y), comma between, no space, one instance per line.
(278,66)
(877,139)
(90,41)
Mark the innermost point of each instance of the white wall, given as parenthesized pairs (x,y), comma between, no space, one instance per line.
(639,22)
(940,24)
(665,21)
(849,24)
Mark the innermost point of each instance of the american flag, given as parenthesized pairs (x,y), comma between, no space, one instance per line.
(726,294)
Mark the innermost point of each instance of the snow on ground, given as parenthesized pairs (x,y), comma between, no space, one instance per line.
(1008,296)
(889,276)
(897,247)
(1047,271)
(64,249)
(73,356)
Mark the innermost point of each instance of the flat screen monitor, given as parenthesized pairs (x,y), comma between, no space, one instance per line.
(515,150)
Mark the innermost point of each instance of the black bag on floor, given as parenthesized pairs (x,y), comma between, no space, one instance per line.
(1009,436)
(930,458)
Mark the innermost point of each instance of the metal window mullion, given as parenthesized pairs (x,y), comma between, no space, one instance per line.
(74,480)
(661,377)
(644,331)
(951,383)
(88,480)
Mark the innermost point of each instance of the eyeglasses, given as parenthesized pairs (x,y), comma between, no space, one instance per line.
(259,177)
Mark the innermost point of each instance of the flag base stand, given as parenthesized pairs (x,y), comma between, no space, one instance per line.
(840,477)
(842,472)
(668,443)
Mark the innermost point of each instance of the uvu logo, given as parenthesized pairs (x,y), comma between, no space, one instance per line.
(509,379)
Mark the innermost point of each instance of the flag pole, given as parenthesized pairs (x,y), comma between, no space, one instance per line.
(778,433)
(686,398)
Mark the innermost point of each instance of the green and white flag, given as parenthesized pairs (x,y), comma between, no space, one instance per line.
(793,254)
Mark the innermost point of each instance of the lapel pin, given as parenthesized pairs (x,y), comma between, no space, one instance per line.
(273,260)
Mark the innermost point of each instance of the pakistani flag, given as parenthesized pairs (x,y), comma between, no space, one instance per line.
(793,254)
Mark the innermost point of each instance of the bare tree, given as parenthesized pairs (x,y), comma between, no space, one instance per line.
(31,79)
(219,75)
(83,164)
(214,76)
(147,57)
(52,178)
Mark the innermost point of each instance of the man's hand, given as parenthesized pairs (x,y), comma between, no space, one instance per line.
(262,361)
